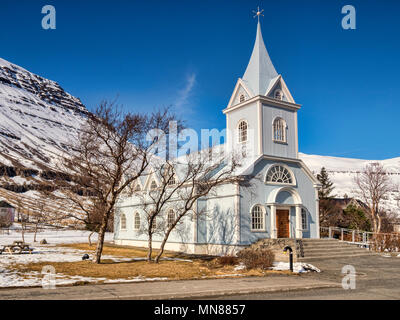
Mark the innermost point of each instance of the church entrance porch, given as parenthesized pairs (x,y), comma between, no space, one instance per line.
(282,223)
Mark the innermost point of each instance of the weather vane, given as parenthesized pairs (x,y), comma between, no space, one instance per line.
(258,13)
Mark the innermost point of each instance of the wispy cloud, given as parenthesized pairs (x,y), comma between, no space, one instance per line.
(184,94)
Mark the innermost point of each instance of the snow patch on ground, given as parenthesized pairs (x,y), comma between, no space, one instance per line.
(298,267)
(50,253)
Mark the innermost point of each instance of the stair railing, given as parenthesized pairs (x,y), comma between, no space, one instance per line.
(371,240)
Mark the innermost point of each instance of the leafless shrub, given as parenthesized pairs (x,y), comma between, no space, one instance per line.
(256,258)
(389,242)
(227,260)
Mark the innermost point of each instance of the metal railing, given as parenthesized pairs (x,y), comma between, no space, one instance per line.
(371,240)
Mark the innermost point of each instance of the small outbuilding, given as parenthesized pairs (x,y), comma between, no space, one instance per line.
(7,214)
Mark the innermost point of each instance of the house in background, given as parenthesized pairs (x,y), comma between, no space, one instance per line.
(7,214)
(282,201)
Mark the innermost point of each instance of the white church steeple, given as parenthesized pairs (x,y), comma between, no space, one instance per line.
(261,115)
(260,71)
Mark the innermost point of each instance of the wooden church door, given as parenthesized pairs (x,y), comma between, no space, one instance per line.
(282,223)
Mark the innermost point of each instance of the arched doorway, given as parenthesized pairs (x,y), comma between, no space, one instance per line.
(282,201)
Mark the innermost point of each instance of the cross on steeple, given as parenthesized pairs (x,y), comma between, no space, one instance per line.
(258,13)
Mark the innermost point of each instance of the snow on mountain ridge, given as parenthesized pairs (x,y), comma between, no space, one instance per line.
(342,172)
(37,118)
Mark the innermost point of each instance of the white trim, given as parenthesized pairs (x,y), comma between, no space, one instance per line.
(120,222)
(260,128)
(238,131)
(263,216)
(284,133)
(239,83)
(134,220)
(271,200)
(277,103)
(294,181)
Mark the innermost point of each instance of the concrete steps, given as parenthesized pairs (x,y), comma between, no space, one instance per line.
(322,249)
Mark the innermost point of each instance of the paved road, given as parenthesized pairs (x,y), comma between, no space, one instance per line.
(169,289)
(377,277)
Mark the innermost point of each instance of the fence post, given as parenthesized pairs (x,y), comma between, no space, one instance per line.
(330,232)
(353,236)
(341,234)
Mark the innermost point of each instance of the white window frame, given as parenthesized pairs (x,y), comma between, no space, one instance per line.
(240,135)
(283,131)
(280,183)
(123,216)
(136,215)
(262,228)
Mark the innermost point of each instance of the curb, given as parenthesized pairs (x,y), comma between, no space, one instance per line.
(217,293)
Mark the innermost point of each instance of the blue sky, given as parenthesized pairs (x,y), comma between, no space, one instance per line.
(189,54)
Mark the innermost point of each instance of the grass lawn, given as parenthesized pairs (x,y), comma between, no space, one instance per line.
(199,266)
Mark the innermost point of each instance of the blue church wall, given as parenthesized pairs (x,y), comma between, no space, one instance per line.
(183,232)
(286,150)
(259,191)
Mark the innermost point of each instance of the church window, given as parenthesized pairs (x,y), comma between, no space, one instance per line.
(278,94)
(257,218)
(136,224)
(279,128)
(170,218)
(242,98)
(279,174)
(242,131)
(172,181)
(304,219)
(137,188)
(123,221)
(153,185)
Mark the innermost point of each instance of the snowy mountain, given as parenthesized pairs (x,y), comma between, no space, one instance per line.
(343,170)
(37,118)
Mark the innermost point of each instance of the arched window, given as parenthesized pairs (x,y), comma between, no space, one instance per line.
(242,98)
(242,131)
(279,130)
(278,94)
(153,185)
(257,218)
(172,181)
(123,221)
(136,224)
(279,174)
(137,187)
(170,218)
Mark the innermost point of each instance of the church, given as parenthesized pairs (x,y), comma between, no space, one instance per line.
(283,200)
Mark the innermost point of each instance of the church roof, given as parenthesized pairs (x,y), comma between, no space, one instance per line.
(260,71)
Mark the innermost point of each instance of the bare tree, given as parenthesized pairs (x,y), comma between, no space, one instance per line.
(113,150)
(374,185)
(181,182)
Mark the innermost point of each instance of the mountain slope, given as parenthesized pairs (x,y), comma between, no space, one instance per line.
(342,172)
(37,118)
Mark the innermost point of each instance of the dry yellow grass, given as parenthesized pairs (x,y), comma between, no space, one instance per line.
(197,268)
(120,251)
